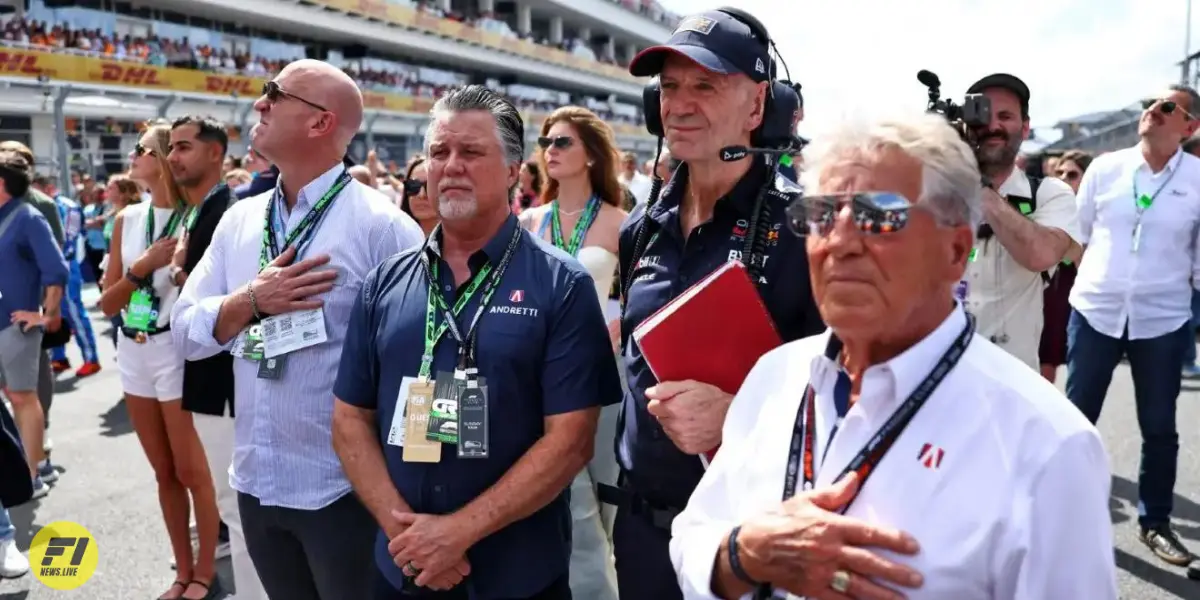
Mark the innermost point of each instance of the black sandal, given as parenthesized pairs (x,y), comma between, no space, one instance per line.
(213,589)
(182,584)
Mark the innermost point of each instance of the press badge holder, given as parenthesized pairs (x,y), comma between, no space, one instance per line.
(142,314)
(472,416)
(418,449)
(443,413)
(271,368)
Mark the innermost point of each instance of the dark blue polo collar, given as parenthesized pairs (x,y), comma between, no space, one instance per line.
(741,198)
(492,251)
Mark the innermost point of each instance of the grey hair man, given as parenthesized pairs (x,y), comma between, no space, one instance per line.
(900,391)
(532,342)
(1139,213)
(715,72)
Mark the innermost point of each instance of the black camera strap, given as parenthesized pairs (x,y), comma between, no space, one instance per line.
(801,463)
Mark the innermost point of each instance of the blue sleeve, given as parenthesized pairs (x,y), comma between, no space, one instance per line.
(581,369)
(46,253)
(357,381)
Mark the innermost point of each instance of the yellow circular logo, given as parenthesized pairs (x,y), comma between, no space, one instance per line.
(63,555)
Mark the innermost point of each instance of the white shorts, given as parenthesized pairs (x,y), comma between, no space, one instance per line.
(151,370)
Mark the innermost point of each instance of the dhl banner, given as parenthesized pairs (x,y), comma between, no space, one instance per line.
(15,62)
(410,17)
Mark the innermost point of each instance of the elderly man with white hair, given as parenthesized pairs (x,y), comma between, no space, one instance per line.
(912,455)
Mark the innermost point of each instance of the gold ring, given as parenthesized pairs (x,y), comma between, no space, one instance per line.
(841,581)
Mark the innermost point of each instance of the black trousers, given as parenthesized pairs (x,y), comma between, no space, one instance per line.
(643,559)
(324,554)
(559,590)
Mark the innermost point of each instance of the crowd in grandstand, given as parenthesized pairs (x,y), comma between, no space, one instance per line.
(369,74)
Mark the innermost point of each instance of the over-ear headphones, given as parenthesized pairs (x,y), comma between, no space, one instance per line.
(779,107)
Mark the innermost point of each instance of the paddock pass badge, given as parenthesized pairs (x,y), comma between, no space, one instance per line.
(63,555)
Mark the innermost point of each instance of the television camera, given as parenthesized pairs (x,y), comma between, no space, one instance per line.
(967,118)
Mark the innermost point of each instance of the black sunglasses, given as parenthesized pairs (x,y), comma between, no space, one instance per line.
(1068,174)
(1166,106)
(412,187)
(559,141)
(140,150)
(874,213)
(274,94)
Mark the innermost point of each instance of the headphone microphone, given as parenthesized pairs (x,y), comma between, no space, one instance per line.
(736,153)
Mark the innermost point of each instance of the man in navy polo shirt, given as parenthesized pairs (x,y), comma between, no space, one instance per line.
(469,486)
(713,91)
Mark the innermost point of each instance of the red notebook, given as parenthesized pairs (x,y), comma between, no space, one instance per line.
(714,332)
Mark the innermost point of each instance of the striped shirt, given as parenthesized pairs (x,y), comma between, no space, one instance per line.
(283,447)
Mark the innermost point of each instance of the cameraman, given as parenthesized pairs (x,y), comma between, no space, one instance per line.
(715,80)
(1029,228)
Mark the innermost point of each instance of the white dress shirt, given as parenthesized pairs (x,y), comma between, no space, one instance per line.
(1013,504)
(639,185)
(1148,291)
(1006,297)
(283,449)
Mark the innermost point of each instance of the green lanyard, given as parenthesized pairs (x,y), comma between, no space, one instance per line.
(581,228)
(436,302)
(172,223)
(304,230)
(189,219)
(1143,201)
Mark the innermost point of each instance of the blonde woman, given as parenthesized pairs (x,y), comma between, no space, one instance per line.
(137,284)
(580,213)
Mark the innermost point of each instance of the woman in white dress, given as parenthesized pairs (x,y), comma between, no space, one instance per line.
(137,284)
(579,213)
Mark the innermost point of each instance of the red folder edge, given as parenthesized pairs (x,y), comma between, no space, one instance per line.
(736,318)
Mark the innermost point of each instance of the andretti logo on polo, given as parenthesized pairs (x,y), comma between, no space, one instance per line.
(63,555)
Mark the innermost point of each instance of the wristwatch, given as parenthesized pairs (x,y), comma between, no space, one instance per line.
(174,271)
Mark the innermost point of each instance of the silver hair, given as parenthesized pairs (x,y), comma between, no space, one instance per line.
(1193,97)
(510,129)
(950,178)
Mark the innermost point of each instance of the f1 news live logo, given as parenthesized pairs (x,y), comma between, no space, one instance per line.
(63,555)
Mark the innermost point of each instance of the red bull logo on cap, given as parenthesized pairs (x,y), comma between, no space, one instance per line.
(696,23)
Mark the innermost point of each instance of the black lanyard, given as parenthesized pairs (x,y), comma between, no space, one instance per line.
(304,231)
(437,302)
(804,432)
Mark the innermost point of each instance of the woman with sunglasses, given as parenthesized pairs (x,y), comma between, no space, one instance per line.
(1052,352)
(414,195)
(581,215)
(137,284)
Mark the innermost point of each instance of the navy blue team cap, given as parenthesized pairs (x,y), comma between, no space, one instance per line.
(714,40)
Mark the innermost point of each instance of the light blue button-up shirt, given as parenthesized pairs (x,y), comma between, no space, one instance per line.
(283,442)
